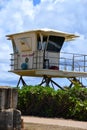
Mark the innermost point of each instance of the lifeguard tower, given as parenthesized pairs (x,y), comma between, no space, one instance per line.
(37,53)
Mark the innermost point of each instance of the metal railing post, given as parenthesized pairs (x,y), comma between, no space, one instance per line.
(73,63)
(84,63)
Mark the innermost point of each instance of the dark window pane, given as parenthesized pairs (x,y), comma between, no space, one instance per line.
(55,43)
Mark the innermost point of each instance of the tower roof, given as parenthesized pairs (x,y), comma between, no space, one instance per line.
(67,36)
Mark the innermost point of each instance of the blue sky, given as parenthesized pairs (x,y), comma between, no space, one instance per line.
(23,15)
(35,2)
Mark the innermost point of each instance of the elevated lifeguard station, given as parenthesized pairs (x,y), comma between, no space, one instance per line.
(37,53)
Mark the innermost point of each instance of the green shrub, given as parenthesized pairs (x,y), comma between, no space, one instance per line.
(47,102)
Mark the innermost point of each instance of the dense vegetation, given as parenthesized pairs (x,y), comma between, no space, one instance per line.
(47,102)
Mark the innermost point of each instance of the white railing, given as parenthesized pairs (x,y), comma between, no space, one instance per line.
(67,61)
(73,62)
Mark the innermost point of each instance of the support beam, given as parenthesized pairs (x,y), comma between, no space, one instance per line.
(47,80)
(43,81)
(75,81)
(57,84)
(21,80)
(71,84)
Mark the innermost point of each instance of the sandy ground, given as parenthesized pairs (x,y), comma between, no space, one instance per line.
(36,123)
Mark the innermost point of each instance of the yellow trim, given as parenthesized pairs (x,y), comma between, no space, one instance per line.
(50,73)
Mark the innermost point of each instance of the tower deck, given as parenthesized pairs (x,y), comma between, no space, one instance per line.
(50,73)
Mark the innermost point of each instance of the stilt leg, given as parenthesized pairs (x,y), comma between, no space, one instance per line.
(21,80)
(52,84)
(48,80)
(43,81)
(70,85)
(57,84)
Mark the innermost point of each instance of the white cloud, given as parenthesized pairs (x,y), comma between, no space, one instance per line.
(21,15)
